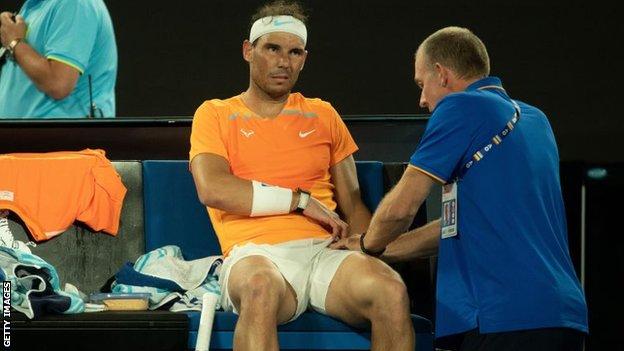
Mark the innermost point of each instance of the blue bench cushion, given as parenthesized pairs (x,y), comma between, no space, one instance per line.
(311,331)
(310,321)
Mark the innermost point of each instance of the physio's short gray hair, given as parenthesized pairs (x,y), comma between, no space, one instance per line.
(458,49)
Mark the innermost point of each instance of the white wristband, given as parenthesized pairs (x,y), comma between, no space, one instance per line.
(270,200)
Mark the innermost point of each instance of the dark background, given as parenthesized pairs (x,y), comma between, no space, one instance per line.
(562,57)
(559,56)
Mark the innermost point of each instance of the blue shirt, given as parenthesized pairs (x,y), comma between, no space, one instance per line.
(509,267)
(78,33)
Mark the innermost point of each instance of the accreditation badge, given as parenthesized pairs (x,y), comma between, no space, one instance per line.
(449,211)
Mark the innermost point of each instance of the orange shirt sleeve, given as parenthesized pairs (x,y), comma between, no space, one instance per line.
(206,135)
(104,210)
(343,144)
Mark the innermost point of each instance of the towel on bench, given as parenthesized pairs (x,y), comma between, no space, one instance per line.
(174,283)
(35,285)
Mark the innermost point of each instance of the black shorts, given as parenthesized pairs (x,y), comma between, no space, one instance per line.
(545,339)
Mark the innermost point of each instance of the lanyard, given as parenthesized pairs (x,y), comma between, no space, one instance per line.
(497,139)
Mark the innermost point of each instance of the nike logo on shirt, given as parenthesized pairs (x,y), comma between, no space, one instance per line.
(303,134)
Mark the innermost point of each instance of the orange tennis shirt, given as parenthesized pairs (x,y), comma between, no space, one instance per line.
(293,150)
(49,191)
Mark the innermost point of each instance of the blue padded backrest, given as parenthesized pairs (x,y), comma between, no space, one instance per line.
(174,215)
(370,177)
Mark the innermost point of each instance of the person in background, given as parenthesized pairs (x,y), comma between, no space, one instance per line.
(62,60)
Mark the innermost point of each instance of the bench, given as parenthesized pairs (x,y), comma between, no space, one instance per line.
(174,216)
(161,207)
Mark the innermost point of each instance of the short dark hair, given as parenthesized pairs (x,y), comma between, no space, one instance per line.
(459,49)
(280,8)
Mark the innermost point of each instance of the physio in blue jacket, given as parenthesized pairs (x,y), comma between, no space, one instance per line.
(505,279)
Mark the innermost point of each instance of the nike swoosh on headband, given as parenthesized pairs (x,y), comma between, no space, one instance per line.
(277,22)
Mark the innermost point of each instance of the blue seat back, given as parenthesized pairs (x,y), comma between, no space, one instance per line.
(370,178)
(174,215)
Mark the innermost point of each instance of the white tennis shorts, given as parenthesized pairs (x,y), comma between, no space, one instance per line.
(308,266)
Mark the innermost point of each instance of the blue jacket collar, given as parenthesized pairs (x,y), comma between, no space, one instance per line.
(487,81)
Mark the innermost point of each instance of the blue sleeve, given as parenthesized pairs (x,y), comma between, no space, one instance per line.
(72,30)
(446,140)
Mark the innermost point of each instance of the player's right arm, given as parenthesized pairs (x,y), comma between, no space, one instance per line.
(218,188)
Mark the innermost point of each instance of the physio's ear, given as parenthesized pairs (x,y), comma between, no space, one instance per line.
(443,74)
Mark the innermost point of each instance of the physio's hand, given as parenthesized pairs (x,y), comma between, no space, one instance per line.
(350,243)
(11,30)
(328,218)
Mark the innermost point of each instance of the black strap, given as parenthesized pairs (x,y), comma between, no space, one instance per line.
(368,252)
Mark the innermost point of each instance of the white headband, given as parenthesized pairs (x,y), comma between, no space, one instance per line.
(270,24)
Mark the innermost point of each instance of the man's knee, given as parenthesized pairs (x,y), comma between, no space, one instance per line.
(391,298)
(255,283)
(262,284)
(379,288)
(384,291)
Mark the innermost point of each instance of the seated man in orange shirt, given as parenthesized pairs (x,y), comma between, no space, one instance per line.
(252,156)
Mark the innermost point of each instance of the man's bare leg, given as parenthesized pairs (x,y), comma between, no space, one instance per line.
(263,298)
(366,290)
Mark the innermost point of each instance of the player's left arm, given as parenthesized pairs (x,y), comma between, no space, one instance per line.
(348,197)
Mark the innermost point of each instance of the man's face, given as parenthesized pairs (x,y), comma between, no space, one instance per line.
(429,81)
(275,62)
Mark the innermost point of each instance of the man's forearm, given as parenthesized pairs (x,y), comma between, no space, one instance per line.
(348,197)
(228,193)
(418,243)
(390,219)
(218,188)
(385,229)
(359,220)
(397,210)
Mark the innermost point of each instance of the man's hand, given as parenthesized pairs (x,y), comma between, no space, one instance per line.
(351,243)
(328,218)
(11,30)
